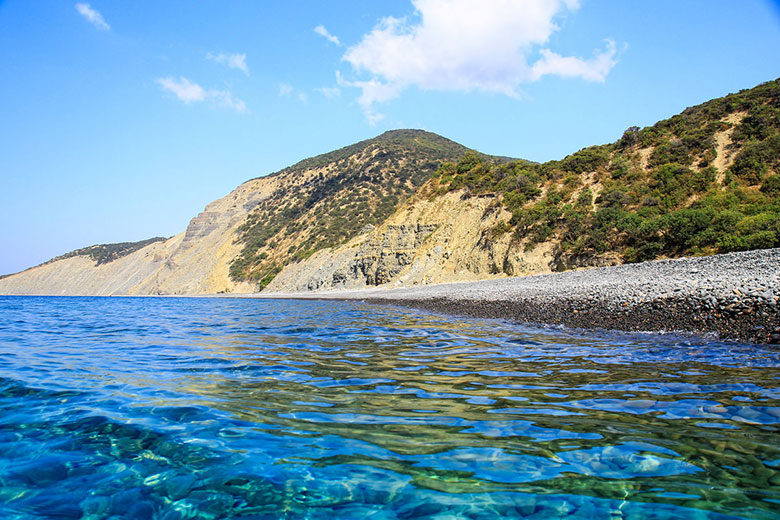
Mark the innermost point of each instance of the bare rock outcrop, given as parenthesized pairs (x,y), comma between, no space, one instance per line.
(196,261)
(447,238)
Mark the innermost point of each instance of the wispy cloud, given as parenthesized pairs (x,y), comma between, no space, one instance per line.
(233,61)
(189,92)
(373,91)
(329,92)
(322,31)
(225,99)
(287,90)
(461,45)
(92,16)
(183,89)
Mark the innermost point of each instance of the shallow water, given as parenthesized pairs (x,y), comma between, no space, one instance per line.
(233,408)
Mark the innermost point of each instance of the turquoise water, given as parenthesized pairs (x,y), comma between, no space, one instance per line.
(228,408)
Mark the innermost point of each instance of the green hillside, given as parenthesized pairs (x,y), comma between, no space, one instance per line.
(326,200)
(105,253)
(704,181)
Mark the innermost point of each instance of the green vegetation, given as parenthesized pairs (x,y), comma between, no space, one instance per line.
(105,253)
(671,205)
(325,201)
(656,192)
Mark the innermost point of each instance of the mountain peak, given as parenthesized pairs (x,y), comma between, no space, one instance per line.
(326,200)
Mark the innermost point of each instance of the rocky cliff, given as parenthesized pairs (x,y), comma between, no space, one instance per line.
(240,241)
(702,182)
(447,238)
(196,261)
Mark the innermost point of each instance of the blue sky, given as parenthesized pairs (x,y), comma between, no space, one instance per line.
(122,119)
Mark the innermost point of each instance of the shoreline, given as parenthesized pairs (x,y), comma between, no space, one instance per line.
(735,296)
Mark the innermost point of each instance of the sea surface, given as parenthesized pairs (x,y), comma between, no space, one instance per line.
(174,408)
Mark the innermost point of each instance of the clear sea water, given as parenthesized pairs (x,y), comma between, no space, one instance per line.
(173,408)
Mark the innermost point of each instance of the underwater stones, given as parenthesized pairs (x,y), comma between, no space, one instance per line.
(205,501)
(54,505)
(179,486)
(526,505)
(95,505)
(140,511)
(425,510)
(124,499)
(445,516)
(123,445)
(173,514)
(41,471)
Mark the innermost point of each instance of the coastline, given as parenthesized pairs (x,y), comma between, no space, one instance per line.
(734,296)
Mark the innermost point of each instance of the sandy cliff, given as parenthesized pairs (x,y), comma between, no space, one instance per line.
(242,239)
(447,238)
(194,262)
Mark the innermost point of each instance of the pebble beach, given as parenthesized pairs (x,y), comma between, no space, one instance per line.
(731,296)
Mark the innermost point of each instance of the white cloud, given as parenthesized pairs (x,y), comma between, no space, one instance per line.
(233,61)
(373,91)
(594,69)
(329,92)
(462,45)
(183,89)
(322,31)
(287,90)
(189,92)
(92,16)
(225,99)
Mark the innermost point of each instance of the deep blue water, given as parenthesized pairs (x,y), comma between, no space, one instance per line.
(172,408)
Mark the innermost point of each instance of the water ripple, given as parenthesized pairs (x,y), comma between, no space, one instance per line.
(169,408)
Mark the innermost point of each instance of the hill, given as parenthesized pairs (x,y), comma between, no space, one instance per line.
(240,241)
(702,182)
(105,253)
(324,201)
(410,207)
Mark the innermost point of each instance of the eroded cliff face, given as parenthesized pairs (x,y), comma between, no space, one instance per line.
(239,242)
(448,238)
(200,263)
(194,262)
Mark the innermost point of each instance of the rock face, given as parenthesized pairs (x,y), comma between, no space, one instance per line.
(240,240)
(324,202)
(447,238)
(427,241)
(194,262)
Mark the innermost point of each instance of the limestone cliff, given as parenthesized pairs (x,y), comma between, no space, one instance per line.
(196,261)
(428,240)
(240,241)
